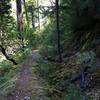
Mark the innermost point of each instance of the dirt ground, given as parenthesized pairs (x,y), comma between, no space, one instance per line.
(28,86)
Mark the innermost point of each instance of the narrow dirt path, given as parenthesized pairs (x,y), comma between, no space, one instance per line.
(28,86)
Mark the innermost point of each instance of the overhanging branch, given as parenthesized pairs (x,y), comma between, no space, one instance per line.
(7,57)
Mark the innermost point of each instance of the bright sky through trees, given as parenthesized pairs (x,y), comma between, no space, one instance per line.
(46,2)
(41,2)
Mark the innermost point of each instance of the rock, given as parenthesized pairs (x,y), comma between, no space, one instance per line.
(27,98)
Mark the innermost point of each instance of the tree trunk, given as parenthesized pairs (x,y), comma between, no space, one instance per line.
(32,16)
(38,14)
(19,15)
(58,30)
(25,7)
(20,20)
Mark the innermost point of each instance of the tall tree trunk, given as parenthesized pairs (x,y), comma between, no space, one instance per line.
(38,14)
(25,7)
(19,15)
(58,30)
(7,57)
(32,16)
(20,20)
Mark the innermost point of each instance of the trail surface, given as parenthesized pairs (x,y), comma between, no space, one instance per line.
(28,86)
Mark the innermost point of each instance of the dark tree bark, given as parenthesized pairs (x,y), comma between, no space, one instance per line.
(7,57)
(19,15)
(32,16)
(58,30)
(20,20)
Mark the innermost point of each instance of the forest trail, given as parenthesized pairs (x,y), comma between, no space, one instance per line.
(29,86)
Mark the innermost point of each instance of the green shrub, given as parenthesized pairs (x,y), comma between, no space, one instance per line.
(21,55)
(7,79)
(86,57)
(44,67)
(75,94)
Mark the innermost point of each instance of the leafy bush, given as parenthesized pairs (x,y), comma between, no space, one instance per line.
(22,54)
(45,68)
(75,94)
(31,37)
(4,68)
(86,57)
(49,41)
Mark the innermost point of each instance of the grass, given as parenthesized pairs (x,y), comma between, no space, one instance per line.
(58,85)
(7,82)
(9,73)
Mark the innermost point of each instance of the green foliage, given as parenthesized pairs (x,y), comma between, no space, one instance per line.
(58,81)
(75,94)
(86,57)
(31,37)
(45,68)
(22,54)
(7,78)
(49,34)
(49,41)
(5,17)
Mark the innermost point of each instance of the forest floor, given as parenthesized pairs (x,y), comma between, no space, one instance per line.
(29,86)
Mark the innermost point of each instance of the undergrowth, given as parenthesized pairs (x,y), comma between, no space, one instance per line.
(9,73)
(7,79)
(58,76)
